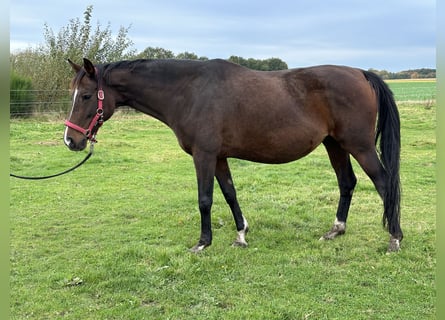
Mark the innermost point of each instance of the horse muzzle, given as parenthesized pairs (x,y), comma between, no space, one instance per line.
(73,144)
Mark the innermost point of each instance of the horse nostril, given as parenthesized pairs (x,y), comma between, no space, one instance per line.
(69,143)
(72,145)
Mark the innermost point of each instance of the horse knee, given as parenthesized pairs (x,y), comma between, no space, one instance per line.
(205,203)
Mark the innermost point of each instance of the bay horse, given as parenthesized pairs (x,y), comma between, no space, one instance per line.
(218,110)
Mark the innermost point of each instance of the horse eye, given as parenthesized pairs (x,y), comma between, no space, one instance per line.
(86,96)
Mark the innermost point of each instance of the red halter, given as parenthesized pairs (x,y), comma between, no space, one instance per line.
(98,118)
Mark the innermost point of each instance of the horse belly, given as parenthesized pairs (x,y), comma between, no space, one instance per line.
(279,146)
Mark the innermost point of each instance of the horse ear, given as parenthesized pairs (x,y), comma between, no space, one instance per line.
(75,66)
(89,67)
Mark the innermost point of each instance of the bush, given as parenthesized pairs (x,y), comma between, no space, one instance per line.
(21,97)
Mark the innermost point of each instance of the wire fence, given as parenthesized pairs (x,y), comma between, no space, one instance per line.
(42,103)
(57,103)
(25,103)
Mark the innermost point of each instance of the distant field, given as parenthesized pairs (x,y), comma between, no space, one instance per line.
(412,80)
(413,90)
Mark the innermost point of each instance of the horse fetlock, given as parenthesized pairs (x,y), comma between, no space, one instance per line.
(241,235)
(337,229)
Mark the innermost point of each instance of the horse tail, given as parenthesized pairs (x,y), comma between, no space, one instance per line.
(388,132)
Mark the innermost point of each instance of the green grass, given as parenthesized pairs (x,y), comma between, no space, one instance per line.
(110,240)
(423,91)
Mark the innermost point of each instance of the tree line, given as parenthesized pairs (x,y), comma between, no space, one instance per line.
(423,73)
(43,69)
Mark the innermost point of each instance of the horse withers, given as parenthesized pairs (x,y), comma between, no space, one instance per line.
(220,110)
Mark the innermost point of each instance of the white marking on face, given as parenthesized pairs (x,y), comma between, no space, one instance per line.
(65,136)
(74,101)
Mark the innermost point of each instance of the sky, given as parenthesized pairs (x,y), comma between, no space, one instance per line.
(391,35)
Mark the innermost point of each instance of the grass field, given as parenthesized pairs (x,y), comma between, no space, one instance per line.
(110,240)
(414,90)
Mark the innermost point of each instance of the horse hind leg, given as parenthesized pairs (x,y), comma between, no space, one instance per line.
(371,164)
(225,181)
(346,179)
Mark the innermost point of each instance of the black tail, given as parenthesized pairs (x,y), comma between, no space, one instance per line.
(388,132)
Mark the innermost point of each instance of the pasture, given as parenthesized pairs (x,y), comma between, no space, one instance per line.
(110,240)
(414,90)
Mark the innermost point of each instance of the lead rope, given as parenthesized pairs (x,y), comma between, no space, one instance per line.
(90,153)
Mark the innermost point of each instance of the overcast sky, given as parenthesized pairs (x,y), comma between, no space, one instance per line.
(383,34)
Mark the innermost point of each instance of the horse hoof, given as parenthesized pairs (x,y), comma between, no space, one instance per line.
(337,229)
(198,248)
(241,237)
(328,236)
(239,244)
(394,245)
(332,234)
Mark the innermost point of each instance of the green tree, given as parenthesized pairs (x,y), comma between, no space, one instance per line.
(161,53)
(258,64)
(46,64)
(78,40)
(407,74)
(238,60)
(276,64)
(155,53)
(190,56)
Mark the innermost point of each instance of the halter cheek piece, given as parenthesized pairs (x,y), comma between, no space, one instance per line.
(98,118)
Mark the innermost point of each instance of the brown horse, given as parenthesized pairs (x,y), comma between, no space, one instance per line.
(219,110)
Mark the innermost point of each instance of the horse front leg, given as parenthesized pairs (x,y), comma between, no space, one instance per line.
(205,173)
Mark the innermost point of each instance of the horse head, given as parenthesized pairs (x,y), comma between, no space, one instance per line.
(89,108)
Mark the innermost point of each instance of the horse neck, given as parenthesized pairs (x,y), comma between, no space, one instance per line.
(156,88)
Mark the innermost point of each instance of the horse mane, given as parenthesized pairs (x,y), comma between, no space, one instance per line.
(153,63)
(163,65)
(130,65)
(140,64)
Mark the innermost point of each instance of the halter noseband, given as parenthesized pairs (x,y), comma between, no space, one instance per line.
(98,118)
